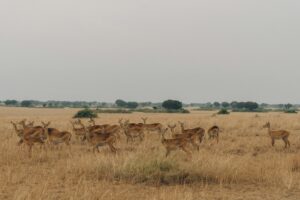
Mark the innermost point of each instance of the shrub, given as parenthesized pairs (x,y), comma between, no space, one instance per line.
(121,103)
(290,111)
(223,111)
(172,104)
(86,113)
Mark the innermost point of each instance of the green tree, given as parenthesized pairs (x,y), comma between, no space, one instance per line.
(225,104)
(216,104)
(26,103)
(172,104)
(121,103)
(11,102)
(132,105)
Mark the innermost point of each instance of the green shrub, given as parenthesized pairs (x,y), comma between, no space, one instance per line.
(86,113)
(292,111)
(223,111)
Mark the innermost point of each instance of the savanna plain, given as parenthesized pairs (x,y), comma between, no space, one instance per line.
(243,165)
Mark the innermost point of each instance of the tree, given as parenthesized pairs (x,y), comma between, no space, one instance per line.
(26,103)
(251,105)
(172,104)
(86,113)
(288,106)
(225,104)
(11,102)
(121,103)
(217,104)
(132,105)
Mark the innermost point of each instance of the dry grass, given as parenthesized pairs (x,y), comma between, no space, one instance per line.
(242,166)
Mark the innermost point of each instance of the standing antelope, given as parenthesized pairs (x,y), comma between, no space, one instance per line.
(174,144)
(78,131)
(32,135)
(100,138)
(18,131)
(191,134)
(278,134)
(132,131)
(213,133)
(155,127)
(55,136)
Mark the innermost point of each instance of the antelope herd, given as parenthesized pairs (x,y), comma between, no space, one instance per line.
(108,134)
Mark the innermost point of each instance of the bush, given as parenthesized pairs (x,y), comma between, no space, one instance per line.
(86,113)
(11,102)
(292,111)
(223,112)
(172,104)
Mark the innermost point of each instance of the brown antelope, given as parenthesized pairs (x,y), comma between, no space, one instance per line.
(132,131)
(174,144)
(278,134)
(97,139)
(32,135)
(55,136)
(191,134)
(18,131)
(213,133)
(172,128)
(155,127)
(78,131)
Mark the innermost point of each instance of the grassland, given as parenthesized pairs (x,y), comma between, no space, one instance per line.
(242,166)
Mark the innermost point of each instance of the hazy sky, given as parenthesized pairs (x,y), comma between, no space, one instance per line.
(192,50)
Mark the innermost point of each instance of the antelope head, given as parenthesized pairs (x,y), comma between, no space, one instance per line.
(172,127)
(144,119)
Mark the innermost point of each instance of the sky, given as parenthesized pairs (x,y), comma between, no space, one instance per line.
(150,50)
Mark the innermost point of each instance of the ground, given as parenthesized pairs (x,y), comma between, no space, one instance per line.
(242,166)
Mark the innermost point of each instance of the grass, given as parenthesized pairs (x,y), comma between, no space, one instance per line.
(243,164)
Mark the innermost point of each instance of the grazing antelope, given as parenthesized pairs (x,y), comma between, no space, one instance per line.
(191,134)
(174,144)
(55,136)
(278,134)
(18,131)
(97,139)
(32,135)
(155,127)
(132,131)
(213,133)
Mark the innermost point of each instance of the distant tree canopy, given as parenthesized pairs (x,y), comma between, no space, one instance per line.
(172,104)
(121,103)
(11,102)
(249,105)
(288,106)
(26,103)
(132,105)
(225,104)
(217,104)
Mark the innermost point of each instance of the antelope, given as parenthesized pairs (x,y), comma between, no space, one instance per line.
(174,144)
(152,127)
(94,127)
(79,132)
(278,134)
(213,132)
(33,135)
(101,139)
(55,136)
(132,131)
(191,134)
(172,128)
(18,131)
